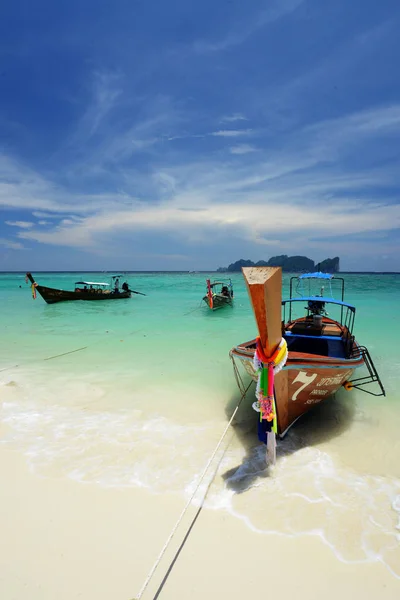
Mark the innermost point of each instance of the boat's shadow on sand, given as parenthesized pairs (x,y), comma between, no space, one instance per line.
(324,422)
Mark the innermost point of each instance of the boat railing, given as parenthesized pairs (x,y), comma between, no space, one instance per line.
(372,377)
(347,311)
(347,327)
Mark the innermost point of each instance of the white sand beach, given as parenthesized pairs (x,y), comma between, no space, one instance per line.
(64,540)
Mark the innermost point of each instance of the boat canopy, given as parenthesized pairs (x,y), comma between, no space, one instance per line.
(316,275)
(90,283)
(319,299)
(304,285)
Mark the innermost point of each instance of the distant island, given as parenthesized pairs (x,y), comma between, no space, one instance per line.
(288,263)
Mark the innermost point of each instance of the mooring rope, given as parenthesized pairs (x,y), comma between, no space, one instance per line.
(189,529)
(65,353)
(8,368)
(238,378)
(171,535)
(200,306)
(35,360)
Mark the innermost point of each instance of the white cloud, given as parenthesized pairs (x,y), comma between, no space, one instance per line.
(22,188)
(233,118)
(256,216)
(42,215)
(154,127)
(382,120)
(22,224)
(277,9)
(231,132)
(242,149)
(11,245)
(105,89)
(301,189)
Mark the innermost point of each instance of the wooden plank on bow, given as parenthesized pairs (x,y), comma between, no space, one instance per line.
(264,286)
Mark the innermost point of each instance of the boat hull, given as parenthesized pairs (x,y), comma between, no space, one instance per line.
(218,301)
(52,295)
(305,380)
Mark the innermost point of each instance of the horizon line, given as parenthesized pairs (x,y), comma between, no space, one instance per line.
(192,272)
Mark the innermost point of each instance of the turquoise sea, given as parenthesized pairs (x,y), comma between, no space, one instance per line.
(138,392)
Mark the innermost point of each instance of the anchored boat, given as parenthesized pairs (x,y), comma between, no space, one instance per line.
(84,290)
(300,361)
(219,294)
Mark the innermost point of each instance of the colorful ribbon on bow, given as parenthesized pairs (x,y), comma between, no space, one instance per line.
(267,367)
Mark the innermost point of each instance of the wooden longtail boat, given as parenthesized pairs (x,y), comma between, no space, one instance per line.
(219,294)
(84,290)
(322,352)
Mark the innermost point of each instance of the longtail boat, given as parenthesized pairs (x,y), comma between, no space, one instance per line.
(84,290)
(300,362)
(218,294)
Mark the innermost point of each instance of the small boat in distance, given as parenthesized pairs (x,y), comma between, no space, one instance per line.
(219,294)
(84,290)
(300,361)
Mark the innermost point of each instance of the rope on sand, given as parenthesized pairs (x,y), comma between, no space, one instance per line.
(8,368)
(171,535)
(65,353)
(189,529)
(48,358)
(35,360)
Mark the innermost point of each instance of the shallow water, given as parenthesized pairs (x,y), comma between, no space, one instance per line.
(138,392)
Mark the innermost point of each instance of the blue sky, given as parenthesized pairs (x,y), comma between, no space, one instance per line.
(141,134)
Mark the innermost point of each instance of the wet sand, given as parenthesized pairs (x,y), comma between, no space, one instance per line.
(65,540)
